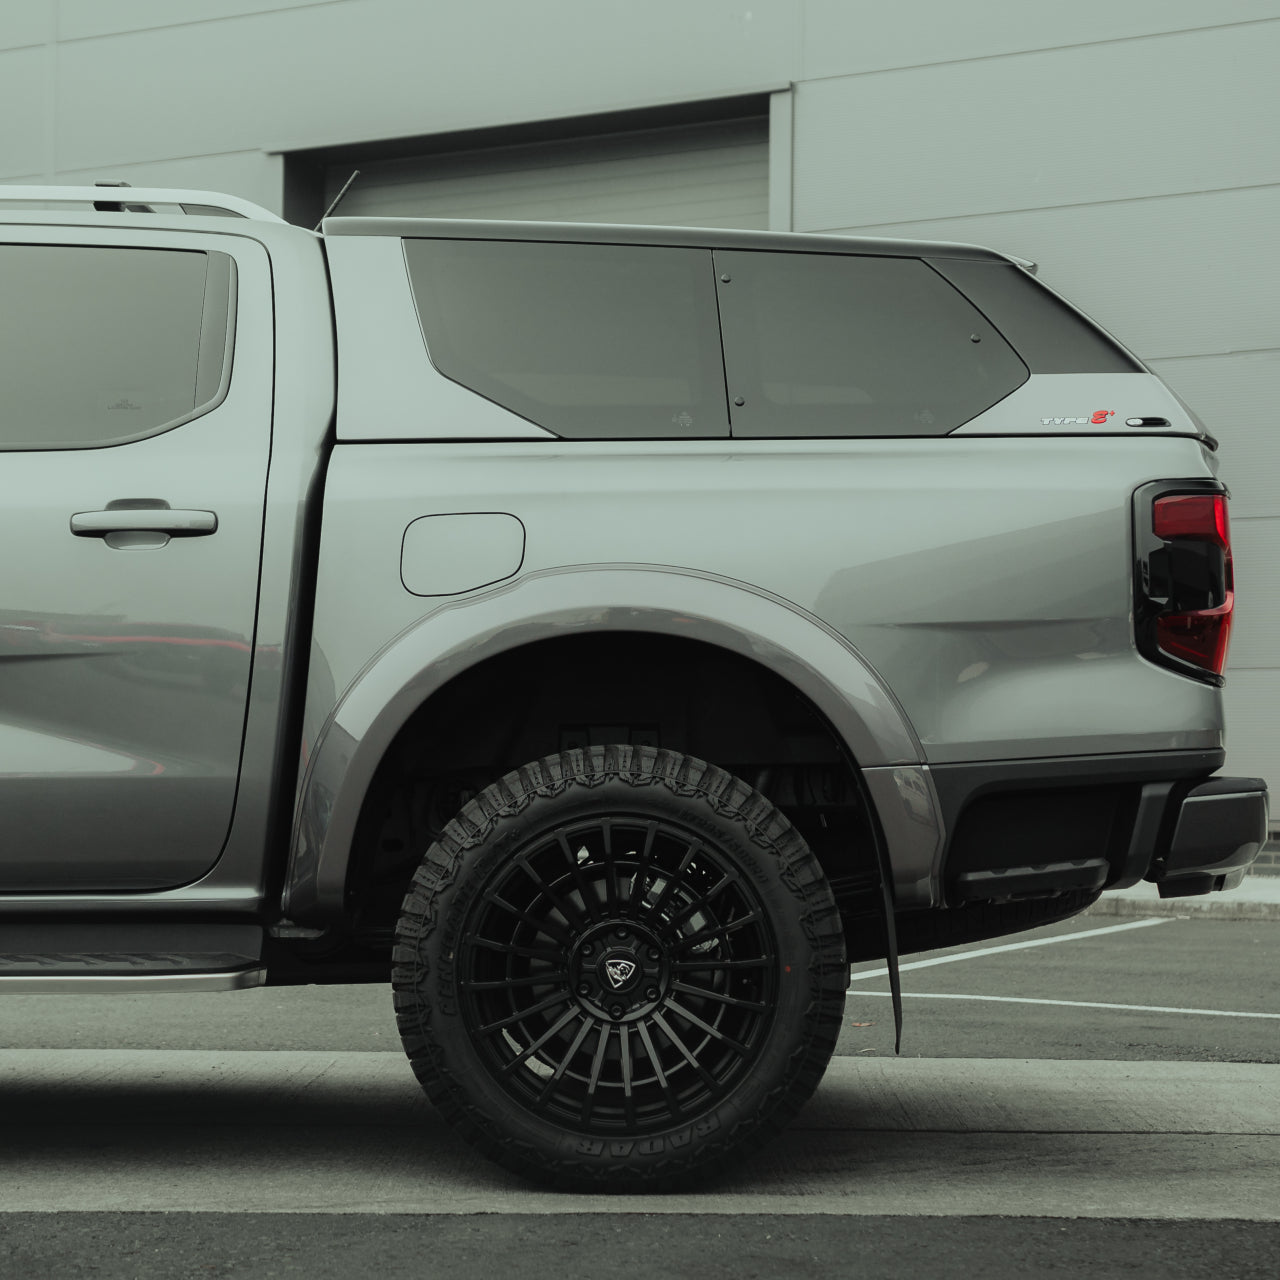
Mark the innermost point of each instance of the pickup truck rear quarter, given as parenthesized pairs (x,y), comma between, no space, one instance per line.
(693,656)
(878,629)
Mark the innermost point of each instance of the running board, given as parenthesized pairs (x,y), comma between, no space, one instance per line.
(132,983)
(130,956)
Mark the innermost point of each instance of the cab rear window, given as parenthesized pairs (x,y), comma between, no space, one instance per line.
(101,345)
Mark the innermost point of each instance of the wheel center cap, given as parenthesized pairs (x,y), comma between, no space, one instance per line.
(620,970)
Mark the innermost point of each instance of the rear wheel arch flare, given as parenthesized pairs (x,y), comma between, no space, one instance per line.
(818,666)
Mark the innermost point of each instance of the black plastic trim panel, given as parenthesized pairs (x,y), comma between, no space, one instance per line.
(958,785)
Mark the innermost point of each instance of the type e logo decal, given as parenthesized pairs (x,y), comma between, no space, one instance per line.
(1098,419)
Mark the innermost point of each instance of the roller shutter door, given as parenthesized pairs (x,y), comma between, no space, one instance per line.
(705,175)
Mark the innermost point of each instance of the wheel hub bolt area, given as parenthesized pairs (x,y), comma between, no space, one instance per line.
(584,988)
(616,1011)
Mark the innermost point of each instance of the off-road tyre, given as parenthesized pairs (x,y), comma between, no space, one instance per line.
(619,969)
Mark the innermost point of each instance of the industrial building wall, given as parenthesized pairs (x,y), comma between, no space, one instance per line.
(1126,145)
(1129,149)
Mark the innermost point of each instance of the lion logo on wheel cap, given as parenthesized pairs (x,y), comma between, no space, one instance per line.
(619,972)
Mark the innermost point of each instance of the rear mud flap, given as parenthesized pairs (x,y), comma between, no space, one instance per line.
(890,942)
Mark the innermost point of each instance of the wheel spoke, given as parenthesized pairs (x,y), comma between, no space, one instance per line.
(663,1083)
(690,966)
(553,955)
(628,1094)
(593,1082)
(549,1002)
(565,909)
(610,869)
(636,896)
(670,1032)
(702,993)
(563,1065)
(689,1016)
(553,1030)
(500,984)
(589,903)
(538,925)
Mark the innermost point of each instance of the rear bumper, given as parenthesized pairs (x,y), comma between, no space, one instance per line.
(1032,829)
(1217,831)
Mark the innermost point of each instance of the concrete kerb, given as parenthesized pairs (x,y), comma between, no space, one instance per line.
(1256,898)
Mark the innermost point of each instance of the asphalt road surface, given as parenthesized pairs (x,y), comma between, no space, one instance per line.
(1106,1101)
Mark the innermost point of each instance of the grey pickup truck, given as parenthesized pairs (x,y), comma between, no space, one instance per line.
(601,634)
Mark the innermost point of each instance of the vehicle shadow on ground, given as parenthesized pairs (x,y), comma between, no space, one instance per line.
(169,1130)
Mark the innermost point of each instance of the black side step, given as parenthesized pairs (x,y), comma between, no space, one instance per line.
(131,956)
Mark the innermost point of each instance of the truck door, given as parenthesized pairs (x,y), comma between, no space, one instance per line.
(135,433)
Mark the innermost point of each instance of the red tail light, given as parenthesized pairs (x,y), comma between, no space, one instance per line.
(1200,638)
(1193,515)
(1188,580)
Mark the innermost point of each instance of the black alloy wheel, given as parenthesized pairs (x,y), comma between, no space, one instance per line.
(618,967)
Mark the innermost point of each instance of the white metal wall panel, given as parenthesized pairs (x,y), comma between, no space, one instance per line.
(840,37)
(366,69)
(25,22)
(1237,397)
(1060,127)
(1253,744)
(696,175)
(83,19)
(24,102)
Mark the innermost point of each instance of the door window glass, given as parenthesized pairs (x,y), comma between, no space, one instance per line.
(103,345)
(844,345)
(588,341)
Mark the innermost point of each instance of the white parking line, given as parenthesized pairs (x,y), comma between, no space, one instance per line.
(1013,946)
(1074,1004)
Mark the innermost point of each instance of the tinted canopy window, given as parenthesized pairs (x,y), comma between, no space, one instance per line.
(103,345)
(1048,334)
(827,345)
(588,341)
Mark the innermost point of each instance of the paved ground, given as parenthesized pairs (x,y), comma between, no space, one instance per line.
(643,1247)
(349,1133)
(1101,1096)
